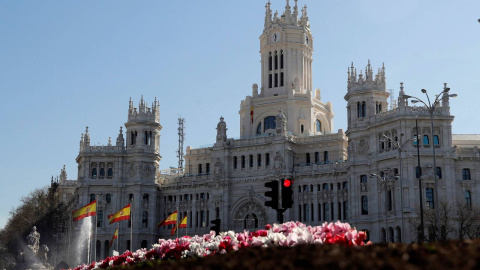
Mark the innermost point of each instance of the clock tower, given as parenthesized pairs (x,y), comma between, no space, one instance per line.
(286,50)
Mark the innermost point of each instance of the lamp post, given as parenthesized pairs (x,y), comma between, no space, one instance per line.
(400,147)
(431,106)
(383,180)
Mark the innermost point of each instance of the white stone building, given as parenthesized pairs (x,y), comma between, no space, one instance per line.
(286,131)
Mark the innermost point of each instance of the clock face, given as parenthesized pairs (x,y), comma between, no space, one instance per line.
(275,37)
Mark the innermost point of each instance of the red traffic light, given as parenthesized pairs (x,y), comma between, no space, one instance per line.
(287,182)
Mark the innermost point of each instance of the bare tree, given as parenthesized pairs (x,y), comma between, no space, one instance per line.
(467,218)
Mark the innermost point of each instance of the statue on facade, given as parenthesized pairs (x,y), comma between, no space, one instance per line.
(33,240)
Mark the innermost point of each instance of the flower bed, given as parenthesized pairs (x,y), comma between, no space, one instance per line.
(287,234)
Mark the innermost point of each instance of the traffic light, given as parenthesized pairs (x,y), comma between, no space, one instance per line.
(287,193)
(216,226)
(273,194)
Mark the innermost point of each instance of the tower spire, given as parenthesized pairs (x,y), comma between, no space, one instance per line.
(268,15)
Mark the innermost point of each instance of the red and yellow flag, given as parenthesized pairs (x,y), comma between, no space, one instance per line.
(183,224)
(172,219)
(174,229)
(86,211)
(123,214)
(115,236)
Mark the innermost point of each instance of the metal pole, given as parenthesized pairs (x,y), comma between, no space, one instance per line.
(400,150)
(386,209)
(96,220)
(435,199)
(131,225)
(422,229)
(118,234)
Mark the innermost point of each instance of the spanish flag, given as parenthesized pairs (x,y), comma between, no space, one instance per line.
(172,219)
(86,211)
(174,229)
(115,236)
(123,214)
(183,224)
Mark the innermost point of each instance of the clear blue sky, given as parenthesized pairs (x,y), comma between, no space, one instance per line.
(65,65)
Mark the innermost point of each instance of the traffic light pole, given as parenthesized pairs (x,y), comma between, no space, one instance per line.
(280,215)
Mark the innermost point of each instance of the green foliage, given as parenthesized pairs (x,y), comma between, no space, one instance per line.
(42,208)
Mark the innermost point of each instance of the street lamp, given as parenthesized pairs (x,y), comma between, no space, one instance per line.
(431,106)
(401,148)
(384,182)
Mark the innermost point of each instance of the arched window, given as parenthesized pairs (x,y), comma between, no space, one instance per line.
(92,197)
(235,161)
(108,198)
(363,178)
(109,173)
(269,123)
(145,219)
(259,160)
(436,140)
(94,173)
(102,172)
(200,169)
(364,205)
(325,156)
(250,161)
(468,199)
(364,109)
(318,125)
(106,249)
(317,157)
(281,59)
(267,159)
(270,62)
(466,174)
(359,110)
(439,173)
(326,211)
(100,218)
(307,158)
(426,140)
(243,162)
(98,248)
(276,60)
(259,128)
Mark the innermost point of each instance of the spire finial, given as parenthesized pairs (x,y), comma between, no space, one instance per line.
(86,130)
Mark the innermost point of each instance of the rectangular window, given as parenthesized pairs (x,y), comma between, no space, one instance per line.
(363,178)
(345,210)
(281,78)
(270,62)
(276,61)
(389,202)
(276,79)
(319,212)
(200,170)
(270,80)
(317,157)
(325,156)
(207,168)
(326,212)
(267,159)
(281,60)
(259,160)
(436,141)
(235,159)
(243,162)
(302,128)
(466,174)
(429,198)
(250,161)
(100,219)
(364,205)
(307,158)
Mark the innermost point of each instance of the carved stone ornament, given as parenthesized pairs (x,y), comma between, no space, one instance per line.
(132,170)
(278,164)
(362,147)
(146,170)
(363,187)
(217,170)
(351,147)
(325,196)
(251,209)
(342,195)
(201,204)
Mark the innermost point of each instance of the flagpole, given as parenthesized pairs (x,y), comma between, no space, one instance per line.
(96,220)
(118,234)
(177,223)
(186,228)
(131,223)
